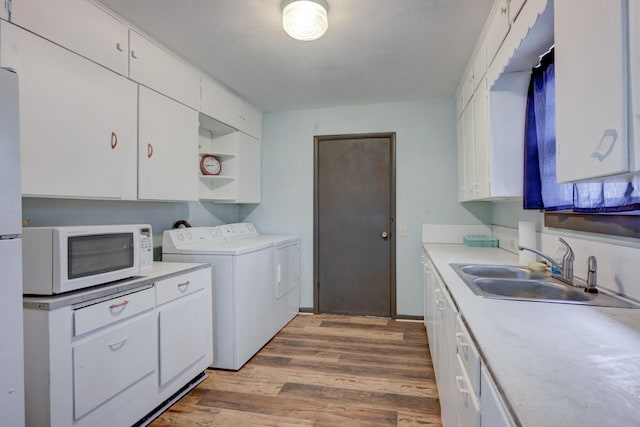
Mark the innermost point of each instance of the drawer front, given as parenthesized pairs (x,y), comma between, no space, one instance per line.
(105,365)
(95,316)
(469,355)
(466,402)
(179,286)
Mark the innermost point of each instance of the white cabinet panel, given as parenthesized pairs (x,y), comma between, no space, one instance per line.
(251,120)
(466,402)
(220,104)
(469,154)
(493,411)
(591,89)
(497,30)
(4,10)
(634,73)
(79,26)
(183,334)
(249,182)
(107,364)
(480,66)
(168,149)
(77,121)
(462,194)
(156,68)
(514,8)
(481,142)
(177,287)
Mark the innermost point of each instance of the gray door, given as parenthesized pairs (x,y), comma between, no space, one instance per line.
(354,225)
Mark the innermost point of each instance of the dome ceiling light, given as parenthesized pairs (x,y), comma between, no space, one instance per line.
(305,20)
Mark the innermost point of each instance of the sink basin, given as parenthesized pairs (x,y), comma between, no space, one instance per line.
(518,283)
(531,289)
(500,271)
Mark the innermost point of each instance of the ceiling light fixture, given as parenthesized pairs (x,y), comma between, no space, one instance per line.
(305,20)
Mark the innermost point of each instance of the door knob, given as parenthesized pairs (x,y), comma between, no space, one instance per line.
(384,235)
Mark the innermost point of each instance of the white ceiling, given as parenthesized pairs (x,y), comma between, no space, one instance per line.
(373,51)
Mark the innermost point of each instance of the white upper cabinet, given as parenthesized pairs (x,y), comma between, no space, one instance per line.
(462,193)
(79,26)
(469,153)
(591,89)
(219,103)
(479,65)
(497,30)
(634,67)
(167,149)
(4,10)
(249,152)
(154,67)
(77,121)
(481,142)
(222,105)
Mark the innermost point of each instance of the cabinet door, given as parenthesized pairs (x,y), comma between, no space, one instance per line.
(469,154)
(168,149)
(220,104)
(248,177)
(156,68)
(462,193)
(80,26)
(591,89)
(514,8)
(183,335)
(634,67)
(481,141)
(497,30)
(251,120)
(77,121)
(493,413)
(4,10)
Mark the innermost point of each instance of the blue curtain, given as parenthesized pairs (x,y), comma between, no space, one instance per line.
(541,188)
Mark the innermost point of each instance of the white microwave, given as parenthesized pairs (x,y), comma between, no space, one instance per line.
(63,259)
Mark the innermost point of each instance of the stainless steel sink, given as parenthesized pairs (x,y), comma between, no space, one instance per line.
(500,271)
(517,283)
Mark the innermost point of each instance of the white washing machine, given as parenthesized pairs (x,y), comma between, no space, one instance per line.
(255,284)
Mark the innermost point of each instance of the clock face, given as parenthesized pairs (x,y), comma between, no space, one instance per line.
(210,165)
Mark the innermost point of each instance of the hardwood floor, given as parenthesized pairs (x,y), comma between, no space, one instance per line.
(322,370)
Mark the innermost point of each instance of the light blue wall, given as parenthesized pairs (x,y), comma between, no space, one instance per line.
(161,215)
(426,179)
(507,214)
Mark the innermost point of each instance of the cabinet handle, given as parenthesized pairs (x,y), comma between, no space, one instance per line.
(183,286)
(119,47)
(503,10)
(460,383)
(439,303)
(133,54)
(118,345)
(119,304)
(464,345)
(149,151)
(608,140)
(114,140)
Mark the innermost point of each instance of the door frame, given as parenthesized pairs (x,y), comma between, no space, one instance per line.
(392,220)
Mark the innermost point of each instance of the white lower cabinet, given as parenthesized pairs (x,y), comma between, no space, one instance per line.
(77,121)
(468,395)
(167,149)
(112,360)
(183,302)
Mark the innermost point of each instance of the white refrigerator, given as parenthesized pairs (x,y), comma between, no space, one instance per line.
(11,339)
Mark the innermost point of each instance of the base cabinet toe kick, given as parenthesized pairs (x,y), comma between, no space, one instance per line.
(111,360)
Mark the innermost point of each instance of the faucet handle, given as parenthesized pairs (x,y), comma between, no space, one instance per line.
(592,266)
(568,256)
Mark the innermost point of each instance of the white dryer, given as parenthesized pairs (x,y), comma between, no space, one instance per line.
(255,284)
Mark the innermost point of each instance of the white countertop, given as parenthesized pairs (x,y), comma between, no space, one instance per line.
(159,271)
(557,364)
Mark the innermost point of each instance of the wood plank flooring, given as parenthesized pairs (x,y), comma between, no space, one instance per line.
(322,370)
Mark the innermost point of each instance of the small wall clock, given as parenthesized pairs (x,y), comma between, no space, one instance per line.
(210,165)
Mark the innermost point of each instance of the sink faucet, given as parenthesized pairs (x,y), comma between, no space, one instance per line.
(566,268)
